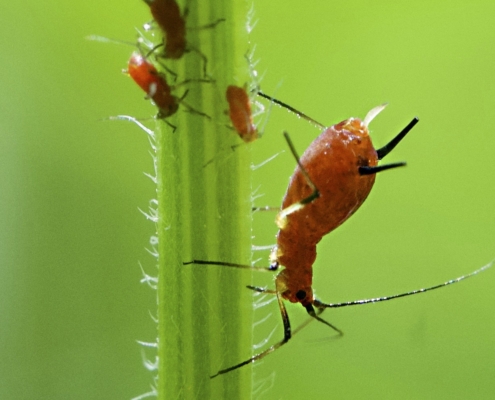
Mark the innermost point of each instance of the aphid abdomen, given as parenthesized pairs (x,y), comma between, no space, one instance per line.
(332,162)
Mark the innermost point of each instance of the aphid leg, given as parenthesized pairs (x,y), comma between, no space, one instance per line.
(157,58)
(185,82)
(193,110)
(395,141)
(190,108)
(211,25)
(271,349)
(311,311)
(318,304)
(261,290)
(227,264)
(265,208)
(281,217)
(292,109)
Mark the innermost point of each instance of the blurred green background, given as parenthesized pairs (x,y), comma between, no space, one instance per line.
(71,303)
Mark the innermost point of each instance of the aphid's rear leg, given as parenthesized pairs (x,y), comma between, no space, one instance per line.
(282,215)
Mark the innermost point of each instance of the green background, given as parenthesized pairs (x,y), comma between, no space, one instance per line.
(71,303)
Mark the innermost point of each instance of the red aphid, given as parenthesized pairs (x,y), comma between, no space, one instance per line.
(240,113)
(167,15)
(334,163)
(153,83)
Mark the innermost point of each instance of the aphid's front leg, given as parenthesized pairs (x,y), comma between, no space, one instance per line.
(271,349)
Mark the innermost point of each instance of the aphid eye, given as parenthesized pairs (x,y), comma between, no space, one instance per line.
(301,295)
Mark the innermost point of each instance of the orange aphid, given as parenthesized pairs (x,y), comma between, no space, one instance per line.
(240,113)
(153,83)
(167,15)
(332,179)
(334,163)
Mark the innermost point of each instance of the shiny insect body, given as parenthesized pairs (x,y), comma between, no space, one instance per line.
(332,179)
(154,84)
(167,15)
(240,113)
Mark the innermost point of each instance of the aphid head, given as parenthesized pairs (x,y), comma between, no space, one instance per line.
(293,293)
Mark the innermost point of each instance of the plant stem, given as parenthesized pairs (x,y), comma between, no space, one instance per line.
(204,313)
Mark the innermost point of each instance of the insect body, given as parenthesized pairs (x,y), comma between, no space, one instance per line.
(154,84)
(240,113)
(167,15)
(331,181)
(334,177)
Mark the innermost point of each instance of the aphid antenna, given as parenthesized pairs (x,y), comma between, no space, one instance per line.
(292,109)
(140,41)
(320,305)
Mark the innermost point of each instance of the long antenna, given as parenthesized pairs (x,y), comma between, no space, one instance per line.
(297,112)
(319,304)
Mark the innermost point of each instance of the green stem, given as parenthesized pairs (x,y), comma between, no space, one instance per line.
(204,313)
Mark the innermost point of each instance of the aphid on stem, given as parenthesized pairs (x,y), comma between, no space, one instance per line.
(147,77)
(240,113)
(332,179)
(172,23)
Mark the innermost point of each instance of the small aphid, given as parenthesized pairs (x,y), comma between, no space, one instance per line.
(167,15)
(154,84)
(240,113)
(332,179)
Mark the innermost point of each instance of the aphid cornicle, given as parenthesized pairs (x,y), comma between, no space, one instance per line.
(240,113)
(332,179)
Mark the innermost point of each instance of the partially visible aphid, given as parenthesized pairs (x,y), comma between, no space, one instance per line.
(167,15)
(172,23)
(240,113)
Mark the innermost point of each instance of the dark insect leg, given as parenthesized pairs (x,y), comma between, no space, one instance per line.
(281,217)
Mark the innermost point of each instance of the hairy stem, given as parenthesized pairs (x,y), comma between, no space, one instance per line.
(204,314)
